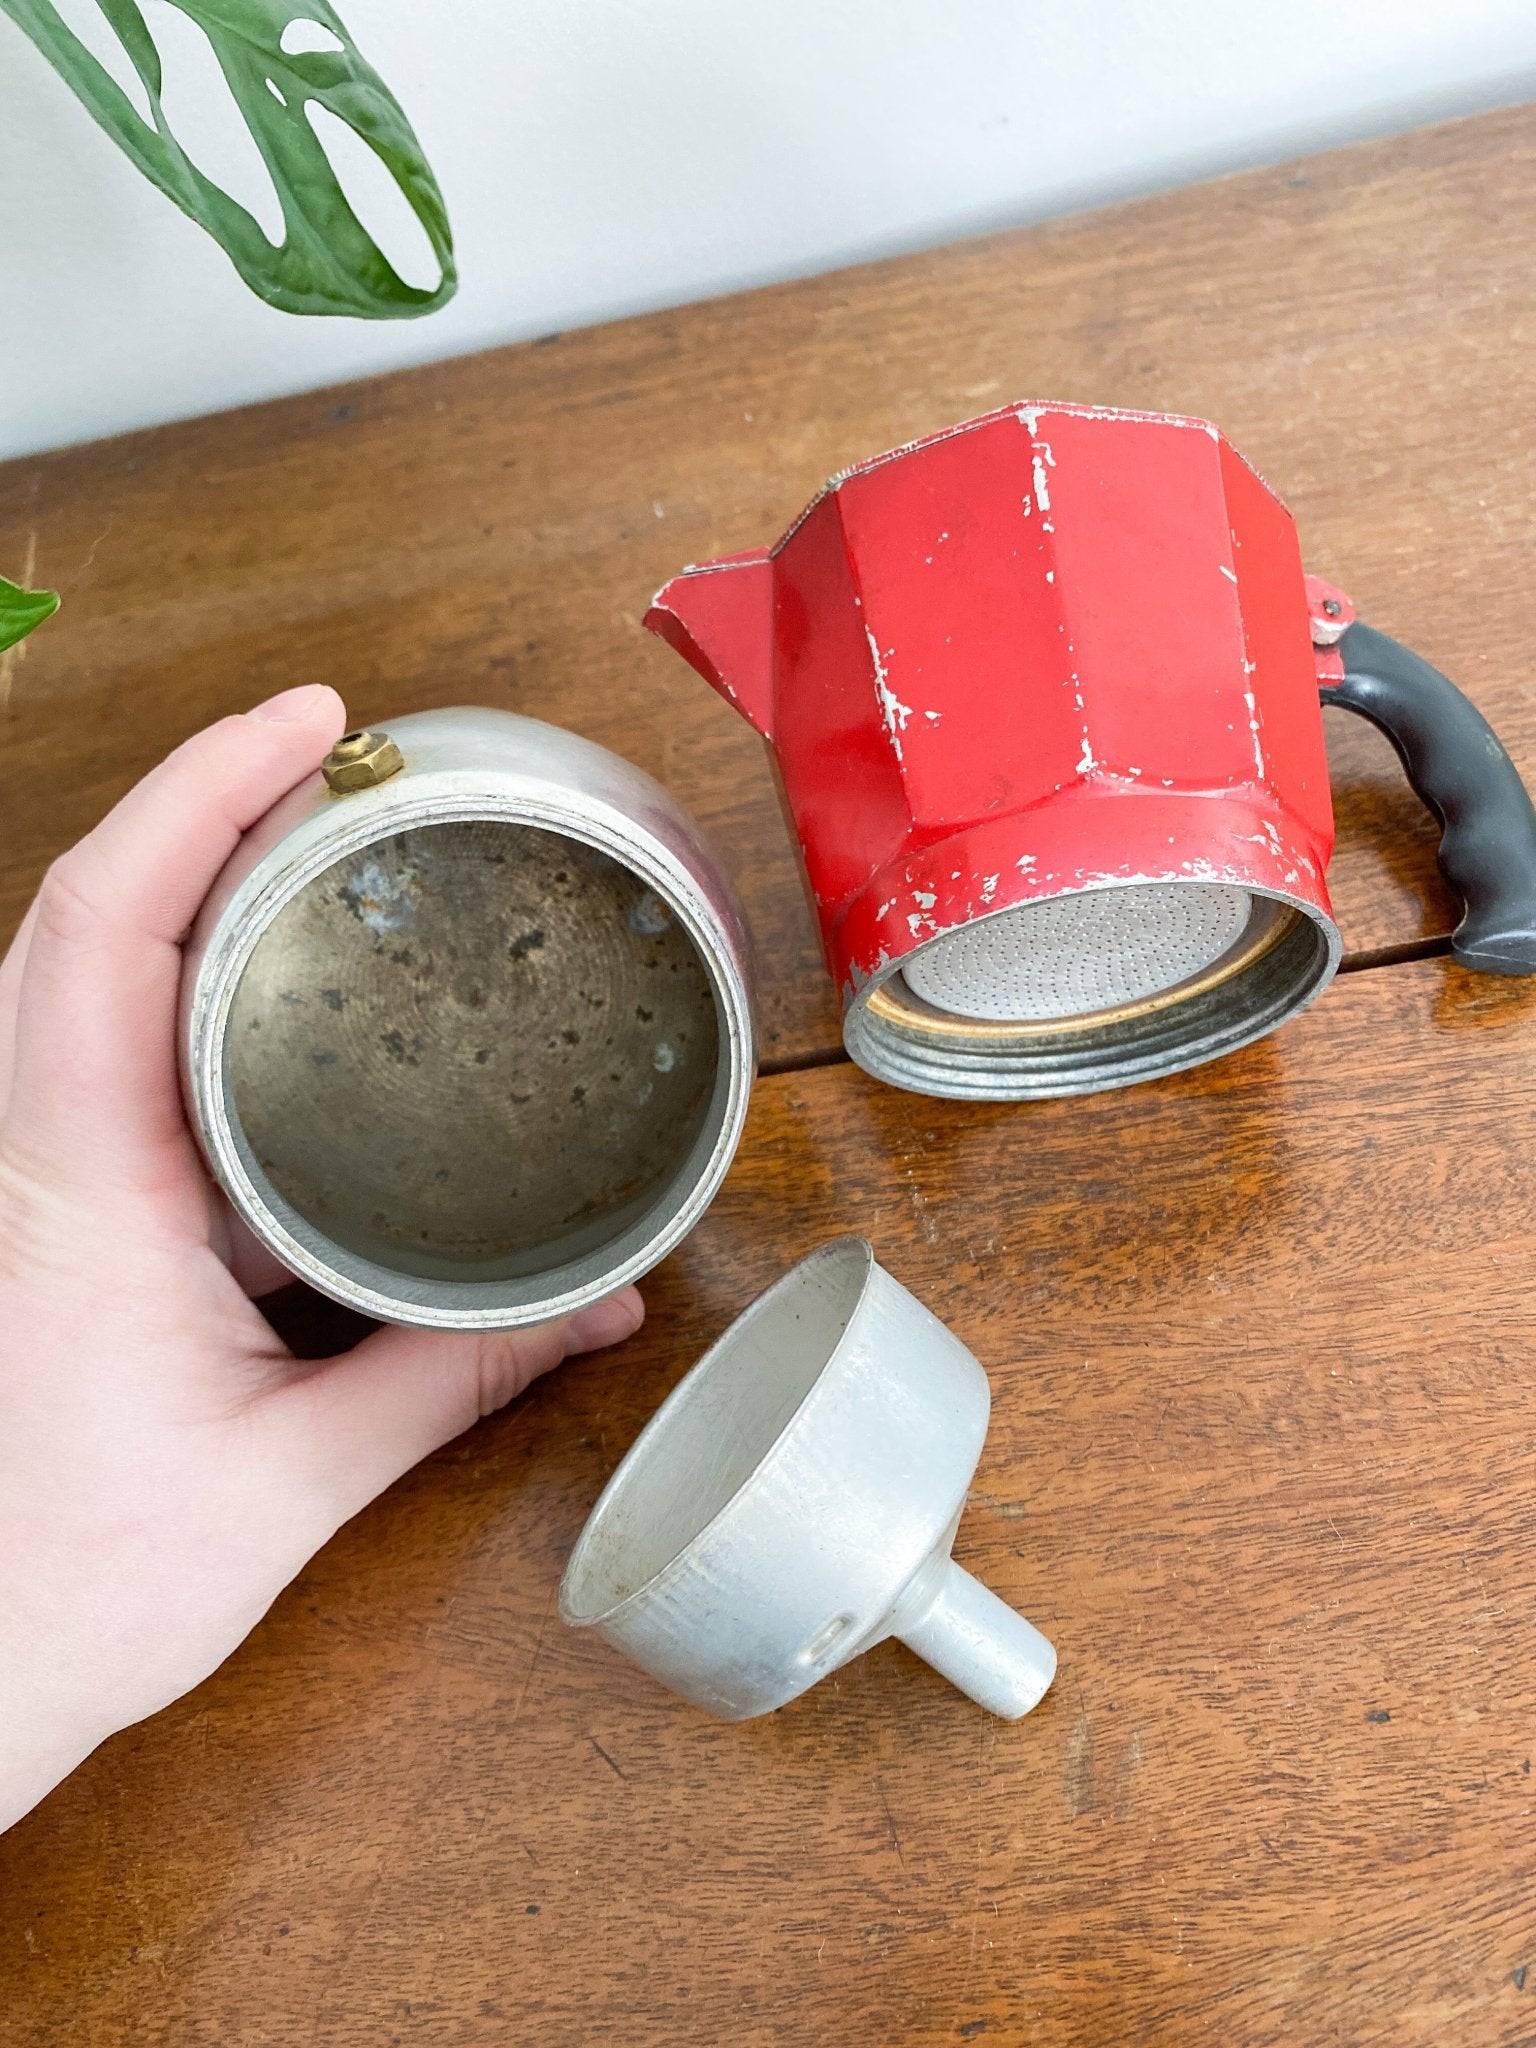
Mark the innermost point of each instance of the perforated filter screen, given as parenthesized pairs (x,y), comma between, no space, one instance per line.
(1073,955)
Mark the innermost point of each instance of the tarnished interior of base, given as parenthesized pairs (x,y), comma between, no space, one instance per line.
(1278,960)
(475,1051)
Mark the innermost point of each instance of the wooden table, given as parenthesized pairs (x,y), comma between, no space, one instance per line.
(1262,1458)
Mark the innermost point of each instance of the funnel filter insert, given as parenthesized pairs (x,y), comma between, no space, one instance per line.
(794,1500)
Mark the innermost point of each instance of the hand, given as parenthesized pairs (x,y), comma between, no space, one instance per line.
(166,1465)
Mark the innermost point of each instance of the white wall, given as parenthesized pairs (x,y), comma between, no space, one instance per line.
(605,156)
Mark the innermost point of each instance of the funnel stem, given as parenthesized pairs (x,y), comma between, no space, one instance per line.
(981,1645)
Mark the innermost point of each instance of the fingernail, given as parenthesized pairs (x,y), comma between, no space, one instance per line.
(606,1322)
(289,706)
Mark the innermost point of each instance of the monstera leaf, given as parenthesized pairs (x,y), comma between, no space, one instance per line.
(21,610)
(328,262)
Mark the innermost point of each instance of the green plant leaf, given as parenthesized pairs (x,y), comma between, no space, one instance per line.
(328,261)
(21,610)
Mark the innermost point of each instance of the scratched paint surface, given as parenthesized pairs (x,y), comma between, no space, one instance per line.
(1051,649)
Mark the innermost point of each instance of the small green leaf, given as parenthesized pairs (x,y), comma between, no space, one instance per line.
(328,262)
(21,610)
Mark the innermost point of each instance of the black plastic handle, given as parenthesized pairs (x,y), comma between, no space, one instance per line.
(1459,769)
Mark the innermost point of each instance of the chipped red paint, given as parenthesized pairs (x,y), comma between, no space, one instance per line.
(1330,614)
(1056,647)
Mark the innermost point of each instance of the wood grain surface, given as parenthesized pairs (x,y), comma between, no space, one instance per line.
(489,530)
(1262,1462)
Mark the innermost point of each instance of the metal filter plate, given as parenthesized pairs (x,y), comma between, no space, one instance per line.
(473,1050)
(1080,955)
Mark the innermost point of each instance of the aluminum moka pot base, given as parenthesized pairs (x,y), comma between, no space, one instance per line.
(794,1500)
(468,1036)
(1044,693)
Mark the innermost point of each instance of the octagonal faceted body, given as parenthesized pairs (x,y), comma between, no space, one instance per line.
(1054,649)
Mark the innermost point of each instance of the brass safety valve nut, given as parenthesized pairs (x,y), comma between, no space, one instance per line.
(360,760)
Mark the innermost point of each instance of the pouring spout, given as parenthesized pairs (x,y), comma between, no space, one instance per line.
(719,617)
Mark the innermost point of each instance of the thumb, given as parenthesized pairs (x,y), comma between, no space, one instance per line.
(92,1001)
(371,1414)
